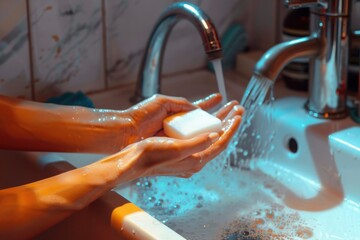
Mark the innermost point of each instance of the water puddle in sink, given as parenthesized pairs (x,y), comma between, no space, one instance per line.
(222,205)
(225,204)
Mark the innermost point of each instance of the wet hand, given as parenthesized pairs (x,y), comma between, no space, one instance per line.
(147,116)
(169,156)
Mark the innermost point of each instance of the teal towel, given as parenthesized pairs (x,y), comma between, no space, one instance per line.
(72,99)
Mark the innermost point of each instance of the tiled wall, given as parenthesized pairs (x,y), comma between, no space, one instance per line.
(14,50)
(51,46)
(67,47)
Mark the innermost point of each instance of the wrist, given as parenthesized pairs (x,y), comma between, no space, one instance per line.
(121,167)
(115,129)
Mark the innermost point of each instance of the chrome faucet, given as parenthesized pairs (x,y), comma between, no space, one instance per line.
(148,82)
(328,47)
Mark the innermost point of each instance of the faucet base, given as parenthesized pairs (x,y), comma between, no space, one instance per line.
(325,115)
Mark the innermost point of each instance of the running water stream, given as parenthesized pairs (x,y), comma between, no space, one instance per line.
(220,79)
(243,146)
(254,97)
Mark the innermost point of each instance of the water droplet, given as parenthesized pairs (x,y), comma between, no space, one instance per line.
(159,203)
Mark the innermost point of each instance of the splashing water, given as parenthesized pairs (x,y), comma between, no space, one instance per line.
(252,100)
(254,97)
(220,79)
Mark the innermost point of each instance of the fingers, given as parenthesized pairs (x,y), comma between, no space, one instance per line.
(166,156)
(159,151)
(223,112)
(235,111)
(194,163)
(230,128)
(209,102)
(213,100)
(175,104)
(198,144)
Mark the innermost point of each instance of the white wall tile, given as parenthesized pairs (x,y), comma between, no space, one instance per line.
(67,46)
(14,50)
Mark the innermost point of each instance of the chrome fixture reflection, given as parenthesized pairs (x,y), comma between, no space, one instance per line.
(149,77)
(328,47)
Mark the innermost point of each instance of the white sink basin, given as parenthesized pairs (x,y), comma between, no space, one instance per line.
(298,191)
(305,188)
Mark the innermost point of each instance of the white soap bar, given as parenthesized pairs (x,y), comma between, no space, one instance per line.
(190,124)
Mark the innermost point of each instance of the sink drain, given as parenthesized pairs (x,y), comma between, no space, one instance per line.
(293,145)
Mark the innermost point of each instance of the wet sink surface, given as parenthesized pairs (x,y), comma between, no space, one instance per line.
(241,204)
(286,194)
(222,206)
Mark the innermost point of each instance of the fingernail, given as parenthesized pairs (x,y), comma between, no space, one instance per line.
(239,108)
(214,137)
(230,103)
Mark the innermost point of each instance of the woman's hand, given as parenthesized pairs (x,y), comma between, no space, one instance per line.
(147,116)
(168,156)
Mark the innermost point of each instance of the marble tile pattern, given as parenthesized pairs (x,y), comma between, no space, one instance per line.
(94,45)
(129,24)
(15,79)
(67,46)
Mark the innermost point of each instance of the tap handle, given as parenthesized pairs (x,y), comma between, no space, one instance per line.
(305,3)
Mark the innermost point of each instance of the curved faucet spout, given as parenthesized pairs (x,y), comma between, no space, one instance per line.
(276,58)
(149,78)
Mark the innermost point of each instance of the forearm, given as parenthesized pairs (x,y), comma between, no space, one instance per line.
(30,209)
(26,125)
